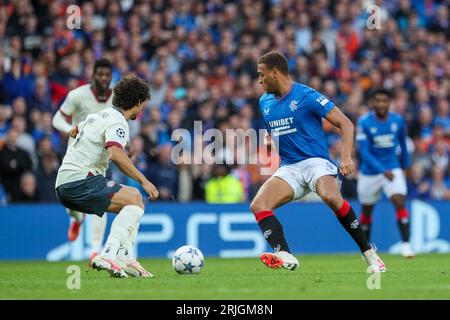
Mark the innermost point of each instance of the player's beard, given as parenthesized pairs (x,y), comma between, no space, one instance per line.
(382,113)
(102,87)
(270,89)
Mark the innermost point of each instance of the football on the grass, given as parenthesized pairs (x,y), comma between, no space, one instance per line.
(188,260)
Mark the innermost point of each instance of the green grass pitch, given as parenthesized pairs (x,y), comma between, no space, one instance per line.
(319,277)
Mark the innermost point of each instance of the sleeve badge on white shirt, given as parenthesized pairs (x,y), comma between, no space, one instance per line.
(120,133)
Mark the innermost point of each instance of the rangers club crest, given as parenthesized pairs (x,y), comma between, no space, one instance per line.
(293,105)
(394,127)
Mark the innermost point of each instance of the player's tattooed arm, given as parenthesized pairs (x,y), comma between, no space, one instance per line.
(337,118)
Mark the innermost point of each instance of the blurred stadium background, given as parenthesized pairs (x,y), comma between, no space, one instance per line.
(200,60)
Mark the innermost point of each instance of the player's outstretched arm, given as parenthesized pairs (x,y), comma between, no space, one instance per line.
(120,158)
(337,118)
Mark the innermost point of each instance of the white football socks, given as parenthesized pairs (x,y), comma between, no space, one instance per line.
(98,232)
(122,229)
(127,252)
(77,216)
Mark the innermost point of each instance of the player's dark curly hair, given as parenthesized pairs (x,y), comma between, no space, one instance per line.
(102,63)
(275,59)
(130,91)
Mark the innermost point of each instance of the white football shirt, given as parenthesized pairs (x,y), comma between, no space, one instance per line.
(82,101)
(88,153)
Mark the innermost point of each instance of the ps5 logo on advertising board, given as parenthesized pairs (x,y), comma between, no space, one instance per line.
(236,227)
(194,237)
(235,234)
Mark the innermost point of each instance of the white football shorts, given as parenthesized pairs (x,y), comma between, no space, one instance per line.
(370,187)
(302,176)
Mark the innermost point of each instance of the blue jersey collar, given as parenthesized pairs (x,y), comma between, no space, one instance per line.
(286,94)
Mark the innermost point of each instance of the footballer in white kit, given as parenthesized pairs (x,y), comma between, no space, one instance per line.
(81,184)
(79,103)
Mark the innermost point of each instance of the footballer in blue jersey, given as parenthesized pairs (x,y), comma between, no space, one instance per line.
(296,120)
(379,134)
(293,116)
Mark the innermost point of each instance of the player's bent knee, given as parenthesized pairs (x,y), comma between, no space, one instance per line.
(127,196)
(136,198)
(333,200)
(258,206)
(253,207)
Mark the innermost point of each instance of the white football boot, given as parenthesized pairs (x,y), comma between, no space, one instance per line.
(407,251)
(134,269)
(98,263)
(374,261)
(280,259)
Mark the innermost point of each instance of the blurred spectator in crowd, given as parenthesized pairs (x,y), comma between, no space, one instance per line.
(223,187)
(19,107)
(24,140)
(5,115)
(45,129)
(200,60)
(158,89)
(417,184)
(200,174)
(27,189)
(44,146)
(164,174)
(46,175)
(40,99)
(13,163)
(439,190)
(442,117)
(3,197)
(425,124)
(439,154)
(16,82)
(154,132)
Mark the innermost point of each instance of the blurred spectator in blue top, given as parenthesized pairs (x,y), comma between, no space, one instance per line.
(40,99)
(16,83)
(5,115)
(163,174)
(442,116)
(418,185)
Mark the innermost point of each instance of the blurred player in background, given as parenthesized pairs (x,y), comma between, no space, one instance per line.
(81,184)
(379,134)
(79,103)
(293,113)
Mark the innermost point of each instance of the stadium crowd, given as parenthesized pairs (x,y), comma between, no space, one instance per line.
(199,57)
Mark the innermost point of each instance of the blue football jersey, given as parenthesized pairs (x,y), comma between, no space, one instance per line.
(378,141)
(296,120)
